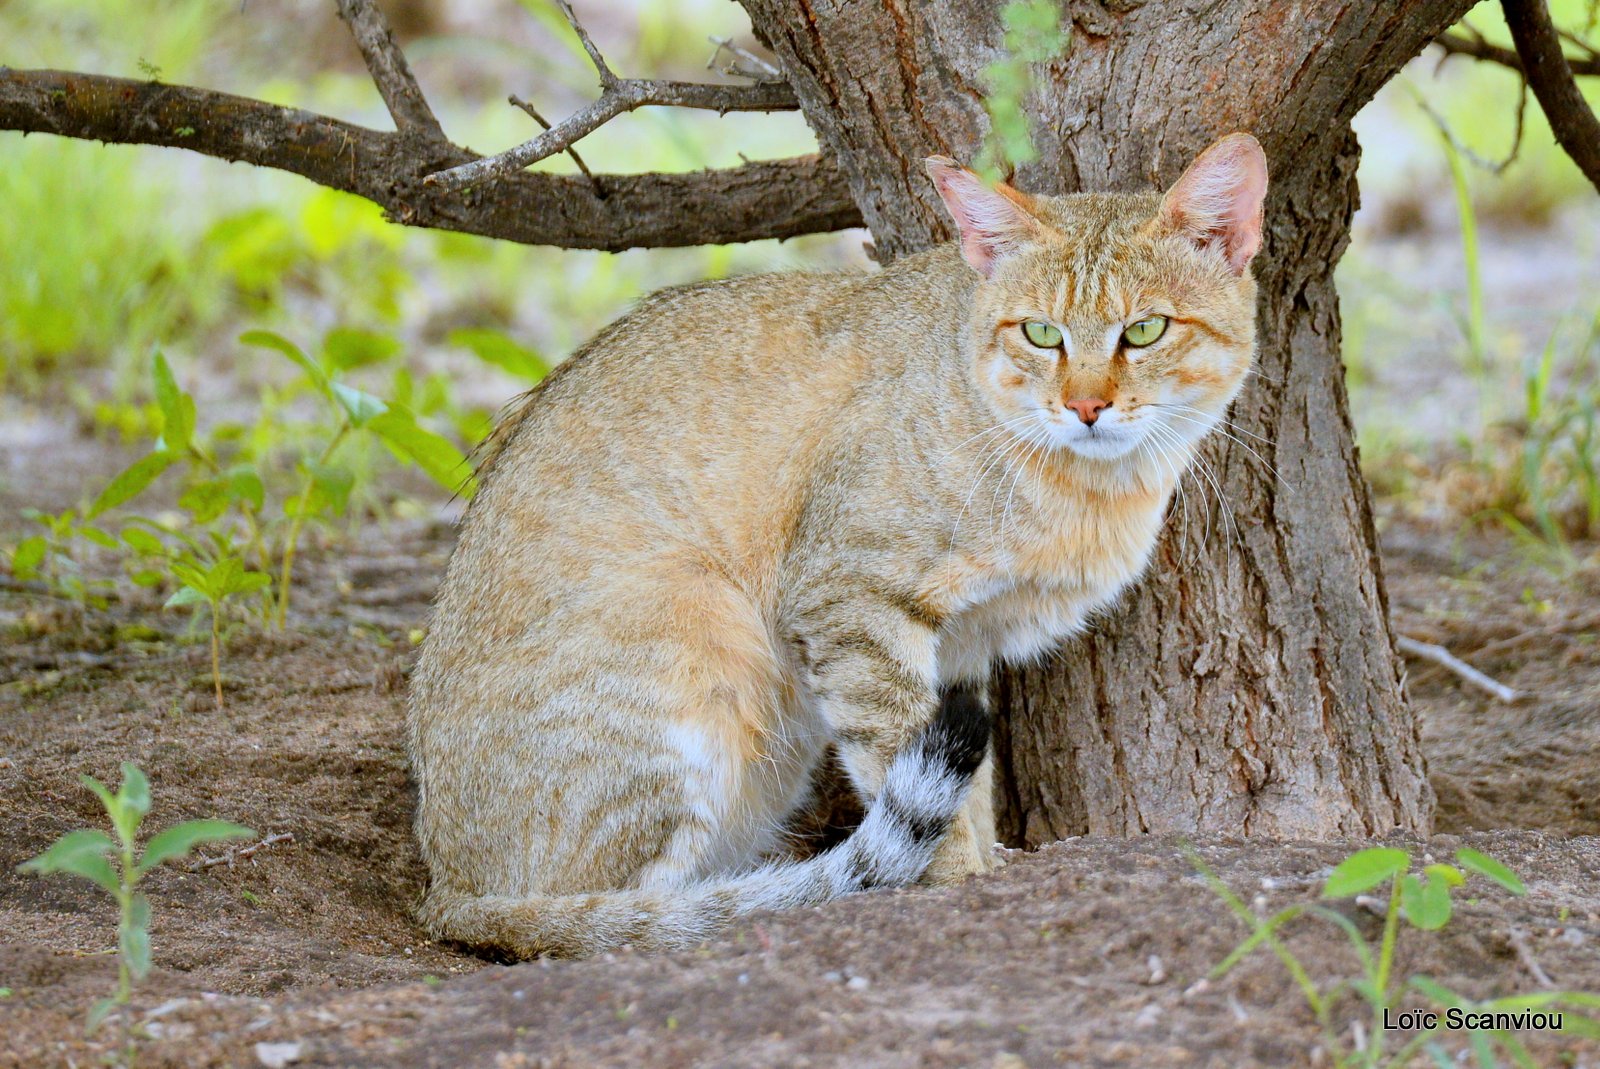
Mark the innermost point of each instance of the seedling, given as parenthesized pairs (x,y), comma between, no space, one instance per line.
(1423,901)
(116,866)
(212,586)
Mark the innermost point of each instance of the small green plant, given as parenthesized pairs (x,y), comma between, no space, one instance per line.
(1422,901)
(243,522)
(1033,35)
(117,867)
(212,586)
(50,558)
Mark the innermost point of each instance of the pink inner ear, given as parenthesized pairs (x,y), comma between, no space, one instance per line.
(993,221)
(1218,200)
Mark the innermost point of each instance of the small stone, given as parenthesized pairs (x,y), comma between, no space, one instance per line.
(858,983)
(833,976)
(277,1055)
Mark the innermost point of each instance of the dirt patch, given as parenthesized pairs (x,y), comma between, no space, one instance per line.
(1085,953)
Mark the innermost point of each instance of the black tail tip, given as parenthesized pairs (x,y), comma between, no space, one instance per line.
(958,738)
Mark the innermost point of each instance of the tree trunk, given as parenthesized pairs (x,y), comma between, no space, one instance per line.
(1249,684)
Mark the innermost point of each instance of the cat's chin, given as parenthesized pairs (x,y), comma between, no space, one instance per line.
(1098,444)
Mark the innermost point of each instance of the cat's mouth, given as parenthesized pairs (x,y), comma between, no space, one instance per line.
(1105,439)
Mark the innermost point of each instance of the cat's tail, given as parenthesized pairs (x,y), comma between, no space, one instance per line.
(922,793)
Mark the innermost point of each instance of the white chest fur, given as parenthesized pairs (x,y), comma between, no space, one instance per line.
(1015,618)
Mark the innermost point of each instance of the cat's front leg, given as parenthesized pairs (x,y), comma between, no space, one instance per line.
(872,668)
(968,848)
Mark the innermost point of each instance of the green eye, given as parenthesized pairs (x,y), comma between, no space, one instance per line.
(1042,334)
(1145,331)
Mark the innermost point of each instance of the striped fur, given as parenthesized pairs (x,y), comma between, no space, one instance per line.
(756,518)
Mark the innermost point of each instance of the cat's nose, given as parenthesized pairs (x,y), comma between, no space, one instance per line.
(1088,408)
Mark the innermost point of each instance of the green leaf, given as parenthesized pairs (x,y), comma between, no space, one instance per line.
(186,595)
(28,555)
(330,488)
(357,404)
(1489,868)
(101,791)
(98,1013)
(250,582)
(245,486)
(180,839)
(1427,904)
(497,348)
(435,455)
(143,542)
(177,407)
(132,481)
(1451,875)
(205,501)
(139,911)
(81,853)
(266,339)
(344,348)
(135,790)
(1364,870)
(134,943)
(91,533)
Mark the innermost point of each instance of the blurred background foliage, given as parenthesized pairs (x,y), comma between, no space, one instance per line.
(1471,336)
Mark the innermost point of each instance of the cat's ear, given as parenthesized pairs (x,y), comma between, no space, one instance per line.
(994,221)
(1217,202)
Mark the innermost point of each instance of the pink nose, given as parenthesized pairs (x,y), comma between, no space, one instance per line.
(1088,408)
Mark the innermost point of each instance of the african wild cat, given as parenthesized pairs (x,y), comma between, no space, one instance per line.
(752,517)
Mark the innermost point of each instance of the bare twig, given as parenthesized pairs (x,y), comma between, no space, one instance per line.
(544,124)
(617,96)
(772,199)
(621,96)
(745,64)
(1495,167)
(1519,943)
(244,852)
(1579,43)
(390,71)
(608,77)
(1445,659)
(1550,76)
(1474,45)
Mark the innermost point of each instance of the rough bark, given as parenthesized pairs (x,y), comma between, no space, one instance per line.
(1249,684)
(768,199)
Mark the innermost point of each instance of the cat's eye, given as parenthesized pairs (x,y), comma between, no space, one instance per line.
(1145,331)
(1042,334)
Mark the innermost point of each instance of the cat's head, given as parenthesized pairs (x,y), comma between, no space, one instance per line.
(1112,323)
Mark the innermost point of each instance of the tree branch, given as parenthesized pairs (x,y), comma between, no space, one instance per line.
(617,96)
(1539,46)
(777,199)
(621,96)
(1477,47)
(389,69)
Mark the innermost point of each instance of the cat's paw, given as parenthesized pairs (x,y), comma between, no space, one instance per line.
(956,861)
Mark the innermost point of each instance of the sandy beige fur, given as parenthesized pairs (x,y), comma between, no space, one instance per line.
(754,516)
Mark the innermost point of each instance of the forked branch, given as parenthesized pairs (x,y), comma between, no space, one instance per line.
(1550,77)
(389,69)
(774,199)
(617,96)
(1474,45)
